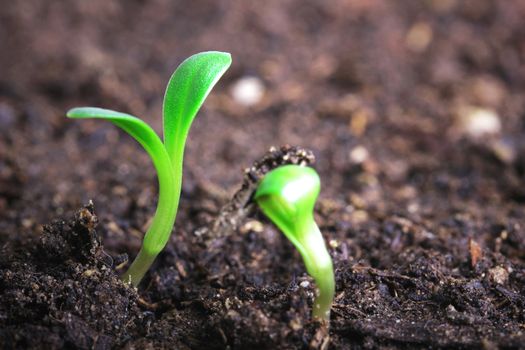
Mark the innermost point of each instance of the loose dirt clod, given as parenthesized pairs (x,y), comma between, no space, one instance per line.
(234,212)
(62,293)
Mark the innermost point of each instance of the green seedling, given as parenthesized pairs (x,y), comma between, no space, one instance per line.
(287,196)
(187,89)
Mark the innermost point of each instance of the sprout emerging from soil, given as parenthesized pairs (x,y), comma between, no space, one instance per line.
(186,91)
(287,196)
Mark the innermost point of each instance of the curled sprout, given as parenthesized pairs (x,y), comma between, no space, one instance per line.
(187,89)
(287,196)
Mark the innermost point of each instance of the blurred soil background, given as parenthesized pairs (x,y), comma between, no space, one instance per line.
(415,111)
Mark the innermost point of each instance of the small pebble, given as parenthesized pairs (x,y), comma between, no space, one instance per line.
(248,91)
(498,275)
(252,226)
(295,324)
(419,37)
(333,243)
(358,154)
(360,120)
(477,122)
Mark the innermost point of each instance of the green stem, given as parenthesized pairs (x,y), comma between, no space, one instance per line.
(138,268)
(319,265)
(159,232)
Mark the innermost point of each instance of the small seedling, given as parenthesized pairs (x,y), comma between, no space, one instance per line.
(187,89)
(287,196)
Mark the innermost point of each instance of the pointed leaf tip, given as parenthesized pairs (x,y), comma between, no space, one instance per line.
(187,89)
(95,112)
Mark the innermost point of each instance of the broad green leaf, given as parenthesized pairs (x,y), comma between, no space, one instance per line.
(187,89)
(287,196)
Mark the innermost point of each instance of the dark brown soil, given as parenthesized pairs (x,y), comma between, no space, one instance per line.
(424,217)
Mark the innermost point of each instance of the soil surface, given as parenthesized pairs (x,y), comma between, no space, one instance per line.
(414,110)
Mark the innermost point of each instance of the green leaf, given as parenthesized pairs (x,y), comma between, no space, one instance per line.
(187,89)
(287,196)
(134,126)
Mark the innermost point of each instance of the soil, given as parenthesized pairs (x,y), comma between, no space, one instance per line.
(414,110)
